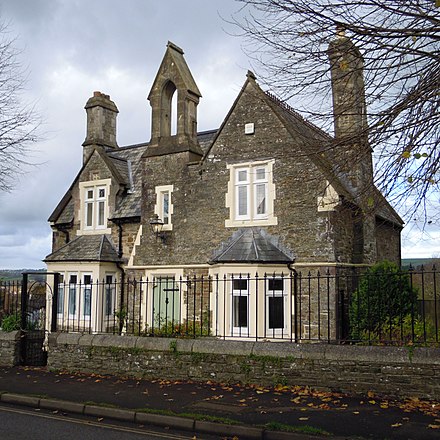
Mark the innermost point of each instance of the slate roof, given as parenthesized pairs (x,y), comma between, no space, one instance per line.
(318,143)
(128,204)
(68,213)
(205,139)
(126,161)
(252,245)
(86,248)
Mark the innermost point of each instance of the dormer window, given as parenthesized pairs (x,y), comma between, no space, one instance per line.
(94,205)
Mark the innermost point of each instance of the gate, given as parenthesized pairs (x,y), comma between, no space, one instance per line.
(35,290)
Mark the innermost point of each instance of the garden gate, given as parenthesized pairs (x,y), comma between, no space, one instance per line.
(35,292)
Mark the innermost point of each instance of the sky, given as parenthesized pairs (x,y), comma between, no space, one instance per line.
(71,48)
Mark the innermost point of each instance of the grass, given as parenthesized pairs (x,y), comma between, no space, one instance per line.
(195,416)
(303,429)
(101,404)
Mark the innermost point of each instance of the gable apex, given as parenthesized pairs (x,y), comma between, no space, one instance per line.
(175,69)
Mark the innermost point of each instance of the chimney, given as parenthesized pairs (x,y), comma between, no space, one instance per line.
(101,123)
(349,111)
(352,151)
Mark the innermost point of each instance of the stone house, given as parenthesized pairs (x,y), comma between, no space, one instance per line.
(266,193)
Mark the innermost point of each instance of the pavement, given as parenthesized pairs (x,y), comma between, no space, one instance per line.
(229,411)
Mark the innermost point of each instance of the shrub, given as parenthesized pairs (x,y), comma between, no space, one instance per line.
(402,331)
(384,296)
(10,323)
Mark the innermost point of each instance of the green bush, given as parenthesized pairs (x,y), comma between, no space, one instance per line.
(10,323)
(384,296)
(402,331)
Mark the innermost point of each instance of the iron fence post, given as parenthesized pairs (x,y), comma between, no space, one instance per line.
(23,311)
(54,311)
(295,300)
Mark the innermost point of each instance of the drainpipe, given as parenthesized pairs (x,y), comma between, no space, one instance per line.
(122,298)
(295,299)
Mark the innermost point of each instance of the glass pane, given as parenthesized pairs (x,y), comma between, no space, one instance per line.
(90,194)
(101,218)
(109,295)
(240,311)
(72,299)
(60,299)
(89,214)
(166,207)
(239,284)
(108,300)
(242,200)
(275,284)
(87,300)
(260,174)
(101,193)
(261,198)
(242,176)
(276,313)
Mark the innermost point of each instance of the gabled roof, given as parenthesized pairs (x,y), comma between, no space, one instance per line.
(118,166)
(317,143)
(252,245)
(86,248)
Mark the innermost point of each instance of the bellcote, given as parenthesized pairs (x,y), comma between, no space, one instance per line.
(173,77)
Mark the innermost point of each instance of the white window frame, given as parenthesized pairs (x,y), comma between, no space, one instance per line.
(276,331)
(99,206)
(61,299)
(159,208)
(240,293)
(72,290)
(109,292)
(86,287)
(235,186)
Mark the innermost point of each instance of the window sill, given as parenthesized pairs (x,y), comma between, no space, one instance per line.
(271,221)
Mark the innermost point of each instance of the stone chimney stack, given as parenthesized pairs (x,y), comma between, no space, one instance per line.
(352,151)
(347,73)
(101,123)
(349,111)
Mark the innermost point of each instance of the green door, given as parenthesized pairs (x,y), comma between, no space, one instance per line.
(166,303)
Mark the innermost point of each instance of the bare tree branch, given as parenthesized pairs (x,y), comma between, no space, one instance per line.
(19,122)
(399,40)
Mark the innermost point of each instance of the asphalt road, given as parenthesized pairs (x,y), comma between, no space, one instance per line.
(18,423)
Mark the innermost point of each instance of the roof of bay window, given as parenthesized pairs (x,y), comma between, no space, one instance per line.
(252,245)
(86,248)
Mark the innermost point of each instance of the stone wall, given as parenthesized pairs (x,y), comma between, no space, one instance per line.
(9,348)
(392,371)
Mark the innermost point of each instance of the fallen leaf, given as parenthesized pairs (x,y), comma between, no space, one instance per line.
(396,425)
(303,418)
(434,426)
(356,412)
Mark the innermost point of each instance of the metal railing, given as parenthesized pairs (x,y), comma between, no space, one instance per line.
(334,306)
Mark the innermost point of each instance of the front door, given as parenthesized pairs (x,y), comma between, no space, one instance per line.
(166,304)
